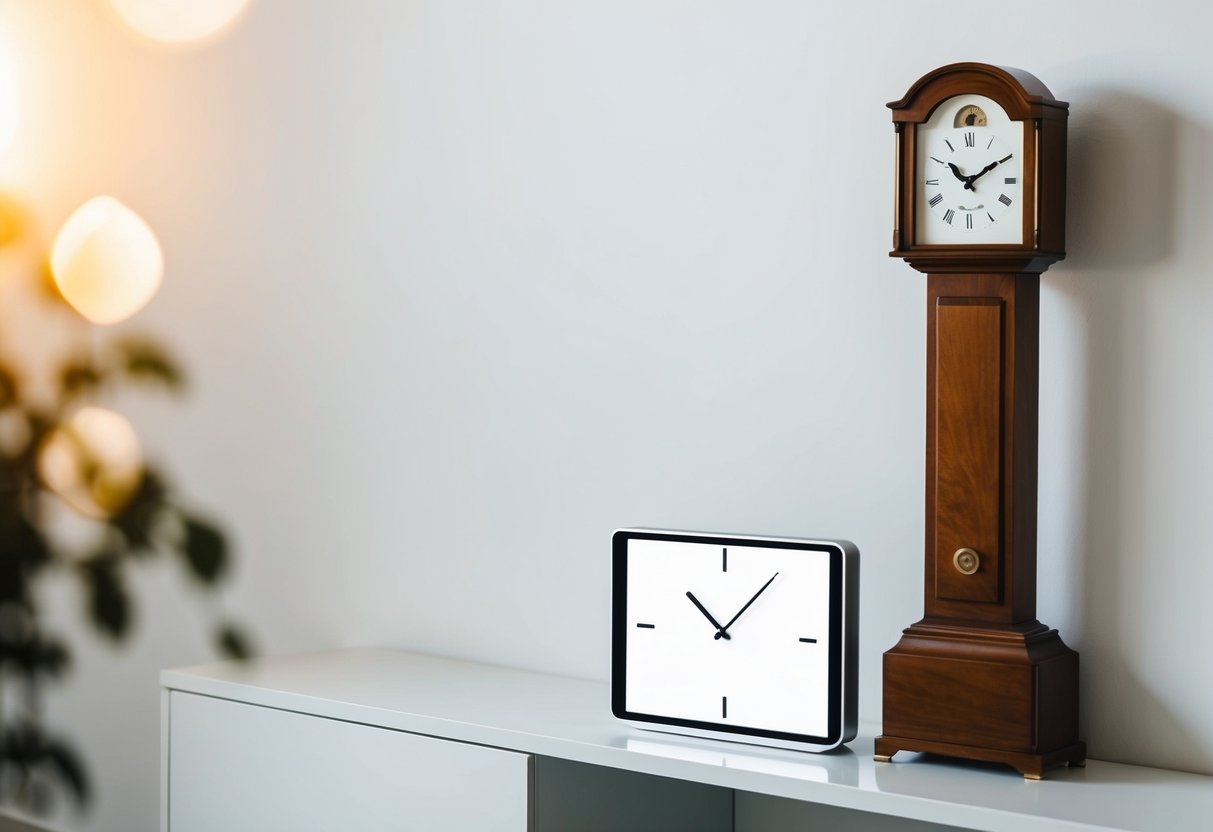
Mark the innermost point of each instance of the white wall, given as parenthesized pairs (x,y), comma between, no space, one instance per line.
(465,286)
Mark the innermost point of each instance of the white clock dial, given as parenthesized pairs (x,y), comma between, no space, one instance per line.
(732,635)
(971,179)
(969,175)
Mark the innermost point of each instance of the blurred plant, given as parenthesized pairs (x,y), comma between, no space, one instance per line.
(58,448)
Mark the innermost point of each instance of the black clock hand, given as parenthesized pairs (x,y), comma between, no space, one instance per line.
(724,631)
(968,180)
(719,632)
(986,170)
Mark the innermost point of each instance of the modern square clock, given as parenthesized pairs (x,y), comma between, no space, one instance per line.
(751,639)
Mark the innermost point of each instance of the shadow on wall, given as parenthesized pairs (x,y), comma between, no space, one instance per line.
(1122,178)
(1126,197)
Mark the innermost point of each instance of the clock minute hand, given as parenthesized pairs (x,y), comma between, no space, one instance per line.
(988,168)
(724,631)
(719,630)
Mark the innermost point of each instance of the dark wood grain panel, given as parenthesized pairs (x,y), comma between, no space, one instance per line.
(970,703)
(968,445)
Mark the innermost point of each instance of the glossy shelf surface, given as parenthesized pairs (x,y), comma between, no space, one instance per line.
(567,718)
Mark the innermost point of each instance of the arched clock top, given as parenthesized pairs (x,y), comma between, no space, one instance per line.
(1021,94)
(981,171)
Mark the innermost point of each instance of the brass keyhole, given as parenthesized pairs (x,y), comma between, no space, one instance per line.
(966,561)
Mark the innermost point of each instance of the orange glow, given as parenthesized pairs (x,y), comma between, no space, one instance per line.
(106,261)
(178,21)
(93,462)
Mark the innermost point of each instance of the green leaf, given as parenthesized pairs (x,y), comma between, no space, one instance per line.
(30,654)
(233,643)
(78,376)
(9,389)
(145,360)
(29,757)
(63,760)
(109,604)
(138,518)
(205,550)
(23,552)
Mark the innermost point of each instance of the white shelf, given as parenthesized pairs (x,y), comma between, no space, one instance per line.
(570,719)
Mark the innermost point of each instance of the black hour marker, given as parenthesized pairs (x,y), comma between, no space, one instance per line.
(933,159)
(1004,199)
(970,138)
(809,640)
(724,707)
(935,200)
(991,216)
(949,144)
(948,217)
(647,626)
(991,143)
(932,181)
(1010,180)
(968,220)
(724,560)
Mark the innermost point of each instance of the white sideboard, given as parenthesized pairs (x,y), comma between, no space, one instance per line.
(380,739)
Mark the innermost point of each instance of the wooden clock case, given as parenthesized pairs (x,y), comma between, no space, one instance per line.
(979,677)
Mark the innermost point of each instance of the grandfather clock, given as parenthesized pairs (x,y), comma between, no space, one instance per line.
(980,209)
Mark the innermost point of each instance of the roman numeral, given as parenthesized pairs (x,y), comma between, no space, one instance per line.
(724,707)
(647,626)
(970,138)
(724,560)
(935,200)
(808,640)
(948,216)
(1010,180)
(932,181)
(991,216)
(933,159)
(968,220)
(991,144)
(1004,199)
(949,144)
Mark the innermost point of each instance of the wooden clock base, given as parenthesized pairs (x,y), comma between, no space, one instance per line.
(1002,694)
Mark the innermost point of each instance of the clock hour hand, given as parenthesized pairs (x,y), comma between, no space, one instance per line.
(719,630)
(724,631)
(968,180)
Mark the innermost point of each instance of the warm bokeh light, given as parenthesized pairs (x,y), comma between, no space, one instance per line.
(178,21)
(12,219)
(10,98)
(92,461)
(106,261)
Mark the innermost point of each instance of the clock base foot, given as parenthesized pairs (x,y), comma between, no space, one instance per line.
(1002,694)
(1031,766)
(883,758)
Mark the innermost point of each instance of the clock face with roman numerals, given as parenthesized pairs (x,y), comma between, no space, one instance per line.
(969,175)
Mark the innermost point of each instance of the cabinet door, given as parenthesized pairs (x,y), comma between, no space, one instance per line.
(237,767)
(982,367)
(968,445)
